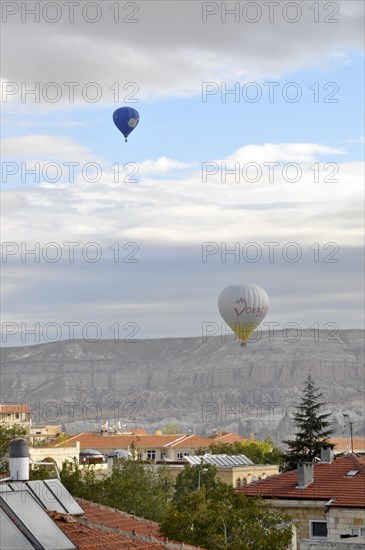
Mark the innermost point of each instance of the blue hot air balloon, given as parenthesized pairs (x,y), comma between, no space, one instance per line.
(126,119)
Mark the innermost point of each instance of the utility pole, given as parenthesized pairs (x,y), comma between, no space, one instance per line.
(351,435)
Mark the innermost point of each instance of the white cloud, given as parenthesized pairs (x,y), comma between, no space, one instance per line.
(46,147)
(287,152)
(161,165)
(153,52)
(187,210)
(360,139)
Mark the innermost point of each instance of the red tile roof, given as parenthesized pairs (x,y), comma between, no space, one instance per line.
(98,441)
(229,438)
(192,441)
(23,408)
(344,444)
(197,441)
(102,528)
(90,538)
(97,513)
(329,482)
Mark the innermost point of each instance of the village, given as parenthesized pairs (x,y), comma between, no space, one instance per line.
(325,498)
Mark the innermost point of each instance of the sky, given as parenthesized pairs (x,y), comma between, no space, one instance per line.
(246,166)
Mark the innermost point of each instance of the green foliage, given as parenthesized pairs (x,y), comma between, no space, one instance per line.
(40,471)
(170,429)
(61,438)
(133,487)
(6,435)
(81,482)
(137,489)
(71,478)
(198,510)
(220,517)
(193,478)
(260,452)
(312,428)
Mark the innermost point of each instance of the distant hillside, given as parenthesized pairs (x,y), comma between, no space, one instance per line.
(211,385)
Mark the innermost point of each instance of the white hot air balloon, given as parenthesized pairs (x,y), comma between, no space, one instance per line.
(243,307)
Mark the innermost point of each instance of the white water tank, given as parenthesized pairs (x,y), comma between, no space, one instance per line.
(19,459)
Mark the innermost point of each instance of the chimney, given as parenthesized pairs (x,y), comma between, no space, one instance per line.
(327,454)
(19,459)
(305,474)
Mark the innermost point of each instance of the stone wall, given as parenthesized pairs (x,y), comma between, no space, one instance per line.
(55,454)
(341,521)
(242,475)
(331,545)
(303,512)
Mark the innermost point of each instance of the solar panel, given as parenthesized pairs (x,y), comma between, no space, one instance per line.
(26,512)
(17,486)
(65,498)
(220,460)
(51,494)
(10,536)
(45,496)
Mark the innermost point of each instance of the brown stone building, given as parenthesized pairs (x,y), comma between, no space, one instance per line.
(11,415)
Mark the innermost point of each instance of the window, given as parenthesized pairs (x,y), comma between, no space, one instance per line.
(179,455)
(151,454)
(163,454)
(318,529)
(358,532)
(187,453)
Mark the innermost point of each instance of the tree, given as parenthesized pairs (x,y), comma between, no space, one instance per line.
(6,435)
(193,478)
(132,487)
(260,452)
(170,429)
(71,477)
(312,428)
(137,489)
(221,518)
(40,471)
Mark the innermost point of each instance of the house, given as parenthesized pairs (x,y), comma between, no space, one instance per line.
(326,499)
(40,433)
(21,415)
(11,415)
(235,470)
(151,448)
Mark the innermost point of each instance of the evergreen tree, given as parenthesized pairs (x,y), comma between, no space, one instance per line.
(312,428)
